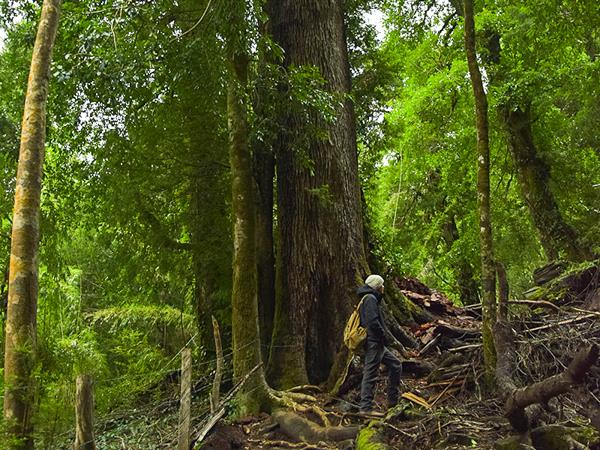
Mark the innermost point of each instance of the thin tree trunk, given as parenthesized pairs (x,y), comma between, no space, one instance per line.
(23,280)
(488,278)
(185,400)
(556,235)
(244,316)
(320,253)
(84,413)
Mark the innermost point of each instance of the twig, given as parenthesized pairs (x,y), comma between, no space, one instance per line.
(215,394)
(412,436)
(429,345)
(446,389)
(563,322)
(220,408)
(543,303)
(464,347)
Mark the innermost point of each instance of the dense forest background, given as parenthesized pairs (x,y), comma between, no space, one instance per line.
(137,213)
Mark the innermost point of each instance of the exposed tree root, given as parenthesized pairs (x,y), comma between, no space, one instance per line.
(294,445)
(299,428)
(305,388)
(294,400)
(289,399)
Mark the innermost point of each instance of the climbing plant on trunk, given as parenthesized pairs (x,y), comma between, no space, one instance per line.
(19,355)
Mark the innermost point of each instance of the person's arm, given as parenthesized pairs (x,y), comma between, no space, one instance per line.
(371,315)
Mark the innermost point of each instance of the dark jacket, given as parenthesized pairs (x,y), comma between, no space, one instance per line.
(370,314)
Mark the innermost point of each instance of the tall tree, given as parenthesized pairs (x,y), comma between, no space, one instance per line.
(320,251)
(558,238)
(23,279)
(264,173)
(488,272)
(244,318)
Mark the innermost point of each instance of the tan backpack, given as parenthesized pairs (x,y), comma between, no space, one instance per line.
(354,334)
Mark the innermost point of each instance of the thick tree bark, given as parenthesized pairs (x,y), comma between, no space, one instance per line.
(488,278)
(558,238)
(23,279)
(264,169)
(264,173)
(321,257)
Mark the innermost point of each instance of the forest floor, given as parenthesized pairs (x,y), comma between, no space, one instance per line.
(444,404)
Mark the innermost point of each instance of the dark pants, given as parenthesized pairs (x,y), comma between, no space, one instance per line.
(375,354)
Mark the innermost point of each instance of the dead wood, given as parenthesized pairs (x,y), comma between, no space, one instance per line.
(417,367)
(457,332)
(563,322)
(413,285)
(534,303)
(548,273)
(518,399)
(395,329)
(212,420)
(216,388)
(541,392)
(301,429)
(285,444)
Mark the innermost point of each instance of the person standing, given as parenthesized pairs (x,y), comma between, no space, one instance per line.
(376,351)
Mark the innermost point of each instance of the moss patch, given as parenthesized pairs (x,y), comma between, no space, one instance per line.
(369,438)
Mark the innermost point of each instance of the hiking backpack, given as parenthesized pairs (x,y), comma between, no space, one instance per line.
(354,334)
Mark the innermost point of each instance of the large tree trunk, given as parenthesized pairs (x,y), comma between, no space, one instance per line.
(264,173)
(264,168)
(321,257)
(488,278)
(558,238)
(23,280)
(244,316)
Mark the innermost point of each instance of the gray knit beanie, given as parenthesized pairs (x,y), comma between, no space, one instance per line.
(374,281)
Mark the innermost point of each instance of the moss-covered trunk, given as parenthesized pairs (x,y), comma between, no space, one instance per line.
(558,238)
(244,315)
(320,252)
(19,356)
(488,272)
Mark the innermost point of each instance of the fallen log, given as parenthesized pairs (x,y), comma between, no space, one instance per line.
(542,391)
(518,399)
